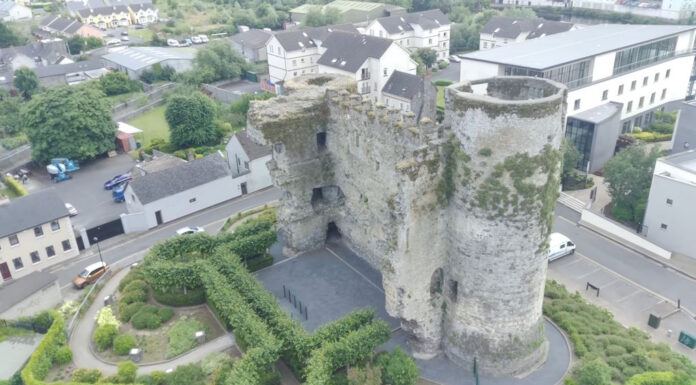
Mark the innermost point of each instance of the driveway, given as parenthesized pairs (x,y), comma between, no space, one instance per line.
(450,73)
(86,191)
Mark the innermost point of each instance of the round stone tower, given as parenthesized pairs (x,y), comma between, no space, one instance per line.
(504,154)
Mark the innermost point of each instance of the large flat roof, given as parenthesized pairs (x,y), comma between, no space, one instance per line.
(136,58)
(566,47)
(685,160)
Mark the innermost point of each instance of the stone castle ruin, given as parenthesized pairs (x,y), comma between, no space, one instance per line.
(454,215)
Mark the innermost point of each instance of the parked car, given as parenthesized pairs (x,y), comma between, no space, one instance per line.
(196,40)
(124,38)
(139,26)
(90,274)
(172,43)
(113,42)
(189,230)
(71,209)
(204,38)
(124,33)
(455,59)
(117,180)
(185,43)
(560,246)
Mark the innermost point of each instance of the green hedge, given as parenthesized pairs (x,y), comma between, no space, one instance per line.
(595,334)
(15,186)
(174,297)
(258,263)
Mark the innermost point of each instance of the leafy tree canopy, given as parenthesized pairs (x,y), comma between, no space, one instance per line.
(319,16)
(69,121)
(10,38)
(427,55)
(26,82)
(77,44)
(117,83)
(571,156)
(190,119)
(10,116)
(218,61)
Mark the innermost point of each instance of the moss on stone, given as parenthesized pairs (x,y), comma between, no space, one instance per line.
(532,110)
(296,131)
(485,152)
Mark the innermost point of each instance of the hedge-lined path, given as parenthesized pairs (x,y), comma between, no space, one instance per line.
(81,339)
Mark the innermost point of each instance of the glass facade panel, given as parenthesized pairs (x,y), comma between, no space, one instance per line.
(572,75)
(644,55)
(580,133)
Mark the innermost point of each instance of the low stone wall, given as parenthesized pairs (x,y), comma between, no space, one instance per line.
(12,159)
(627,238)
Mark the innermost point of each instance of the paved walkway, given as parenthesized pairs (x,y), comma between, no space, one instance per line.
(81,340)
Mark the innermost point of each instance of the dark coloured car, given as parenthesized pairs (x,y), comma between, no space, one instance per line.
(117,180)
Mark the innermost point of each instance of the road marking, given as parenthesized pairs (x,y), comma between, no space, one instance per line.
(566,220)
(587,274)
(634,283)
(355,270)
(628,296)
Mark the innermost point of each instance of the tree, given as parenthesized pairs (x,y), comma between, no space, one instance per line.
(318,16)
(9,38)
(69,121)
(126,372)
(629,175)
(427,55)
(10,116)
(26,82)
(398,368)
(331,15)
(267,16)
(117,83)
(218,61)
(594,372)
(571,156)
(367,375)
(190,120)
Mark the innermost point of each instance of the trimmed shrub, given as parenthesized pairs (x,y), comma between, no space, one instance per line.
(63,356)
(182,336)
(398,368)
(214,361)
(594,372)
(123,344)
(144,319)
(258,263)
(18,189)
(133,275)
(442,83)
(154,378)
(136,284)
(165,314)
(42,321)
(126,372)
(89,376)
(106,317)
(442,65)
(104,336)
(190,374)
(134,296)
(177,298)
(127,310)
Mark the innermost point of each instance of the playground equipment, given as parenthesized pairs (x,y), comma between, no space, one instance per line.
(58,172)
(117,193)
(70,165)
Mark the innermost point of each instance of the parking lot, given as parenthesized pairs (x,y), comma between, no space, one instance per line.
(86,191)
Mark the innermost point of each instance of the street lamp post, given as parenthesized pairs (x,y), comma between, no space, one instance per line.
(95,239)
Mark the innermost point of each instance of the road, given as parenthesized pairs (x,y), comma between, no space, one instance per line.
(127,249)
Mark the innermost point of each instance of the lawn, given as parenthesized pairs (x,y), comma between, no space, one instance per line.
(153,125)
(441,97)
(145,33)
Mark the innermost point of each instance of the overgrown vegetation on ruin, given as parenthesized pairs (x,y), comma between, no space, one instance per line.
(608,352)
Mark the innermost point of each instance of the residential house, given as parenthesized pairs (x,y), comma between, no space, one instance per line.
(501,30)
(163,196)
(63,26)
(109,16)
(252,44)
(369,60)
(672,203)
(409,92)
(71,73)
(33,55)
(35,233)
(640,67)
(135,60)
(427,29)
(143,13)
(11,11)
(247,159)
(30,294)
(350,11)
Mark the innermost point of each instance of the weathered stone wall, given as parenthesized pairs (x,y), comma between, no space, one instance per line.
(456,231)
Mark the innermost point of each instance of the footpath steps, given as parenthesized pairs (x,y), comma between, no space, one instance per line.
(571,202)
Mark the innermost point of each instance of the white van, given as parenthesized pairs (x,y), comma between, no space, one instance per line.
(172,43)
(559,246)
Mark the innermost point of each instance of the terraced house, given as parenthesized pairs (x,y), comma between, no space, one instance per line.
(35,233)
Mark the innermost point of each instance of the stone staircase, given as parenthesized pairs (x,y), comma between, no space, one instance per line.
(571,202)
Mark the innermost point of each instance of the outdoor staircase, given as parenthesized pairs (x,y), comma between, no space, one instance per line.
(571,202)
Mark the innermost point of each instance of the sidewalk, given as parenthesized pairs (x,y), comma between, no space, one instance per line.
(81,340)
(630,303)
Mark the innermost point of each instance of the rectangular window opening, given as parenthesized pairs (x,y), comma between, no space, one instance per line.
(321,141)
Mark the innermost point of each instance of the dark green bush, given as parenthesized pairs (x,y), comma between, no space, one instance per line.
(144,319)
(127,310)
(154,378)
(165,314)
(133,275)
(133,296)
(135,285)
(398,368)
(190,374)
(63,356)
(123,344)
(104,336)
(622,213)
(89,376)
(176,297)
(258,263)
(442,83)
(42,321)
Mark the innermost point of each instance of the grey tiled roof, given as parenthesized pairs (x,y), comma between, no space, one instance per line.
(295,40)
(431,19)
(511,28)
(62,69)
(321,33)
(403,85)
(161,184)
(253,38)
(252,149)
(348,51)
(30,211)
(105,10)
(16,291)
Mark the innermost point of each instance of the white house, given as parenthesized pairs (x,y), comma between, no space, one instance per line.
(11,11)
(402,91)
(35,233)
(172,193)
(369,60)
(639,67)
(247,158)
(671,208)
(252,44)
(501,30)
(427,29)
